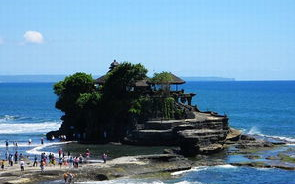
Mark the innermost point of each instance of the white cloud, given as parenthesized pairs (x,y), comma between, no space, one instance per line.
(33,37)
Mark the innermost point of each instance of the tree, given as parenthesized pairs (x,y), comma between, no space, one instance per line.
(70,89)
(164,79)
(75,93)
(119,98)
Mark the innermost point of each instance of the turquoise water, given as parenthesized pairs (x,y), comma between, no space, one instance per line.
(264,108)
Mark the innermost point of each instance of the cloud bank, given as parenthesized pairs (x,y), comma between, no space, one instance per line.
(33,37)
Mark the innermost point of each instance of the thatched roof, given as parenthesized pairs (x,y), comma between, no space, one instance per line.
(174,80)
(142,83)
(101,80)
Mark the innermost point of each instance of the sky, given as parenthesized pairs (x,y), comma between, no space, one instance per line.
(245,40)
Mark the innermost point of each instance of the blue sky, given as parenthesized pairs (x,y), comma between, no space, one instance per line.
(246,40)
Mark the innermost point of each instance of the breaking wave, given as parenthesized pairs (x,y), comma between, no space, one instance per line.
(6,118)
(37,150)
(256,131)
(195,169)
(202,168)
(18,128)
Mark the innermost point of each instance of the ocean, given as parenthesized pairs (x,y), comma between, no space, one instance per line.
(265,108)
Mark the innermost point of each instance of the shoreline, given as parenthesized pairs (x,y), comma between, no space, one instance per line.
(145,166)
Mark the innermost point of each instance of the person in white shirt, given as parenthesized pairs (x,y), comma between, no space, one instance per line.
(22,165)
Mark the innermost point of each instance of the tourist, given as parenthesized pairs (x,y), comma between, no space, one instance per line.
(21,156)
(71,162)
(68,177)
(42,166)
(80,159)
(10,159)
(35,161)
(60,161)
(76,162)
(2,164)
(16,157)
(59,153)
(7,144)
(6,155)
(87,153)
(22,165)
(104,157)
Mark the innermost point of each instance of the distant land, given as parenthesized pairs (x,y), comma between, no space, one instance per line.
(207,79)
(56,78)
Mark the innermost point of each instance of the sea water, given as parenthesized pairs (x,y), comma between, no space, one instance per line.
(265,108)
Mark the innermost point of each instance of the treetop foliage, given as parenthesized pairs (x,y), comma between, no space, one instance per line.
(162,78)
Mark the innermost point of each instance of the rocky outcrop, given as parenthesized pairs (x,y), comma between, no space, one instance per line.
(205,133)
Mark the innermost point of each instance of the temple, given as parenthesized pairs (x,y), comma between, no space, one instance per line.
(171,119)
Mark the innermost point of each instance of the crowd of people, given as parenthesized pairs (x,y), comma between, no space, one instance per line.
(64,159)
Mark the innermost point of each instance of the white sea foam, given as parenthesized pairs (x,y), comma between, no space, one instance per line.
(195,169)
(19,145)
(123,181)
(20,128)
(288,139)
(255,131)
(37,150)
(6,118)
(226,166)
(188,182)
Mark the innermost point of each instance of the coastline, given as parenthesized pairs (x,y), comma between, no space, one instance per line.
(168,165)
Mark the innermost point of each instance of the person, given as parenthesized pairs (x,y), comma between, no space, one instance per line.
(16,157)
(6,143)
(21,156)
(22,165)
(35,161)
(60,161)
(104,157)
(30,141)
(68,177)
(42,140)
(2,164)
(87,153)
(59,153)
(42,165)
(76,162)
(80,159)
(71,162)
(10,159)
(6,154)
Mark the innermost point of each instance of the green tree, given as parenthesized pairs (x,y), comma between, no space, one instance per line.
(163,79)
(119,98)
(70,89)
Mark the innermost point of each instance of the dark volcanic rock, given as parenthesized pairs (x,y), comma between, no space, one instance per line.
(204,141)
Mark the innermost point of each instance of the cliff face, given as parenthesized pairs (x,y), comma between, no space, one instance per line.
(205,133)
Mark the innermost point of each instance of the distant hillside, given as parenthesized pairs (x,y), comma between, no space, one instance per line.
(207,79)
(31,78)
(56,78)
